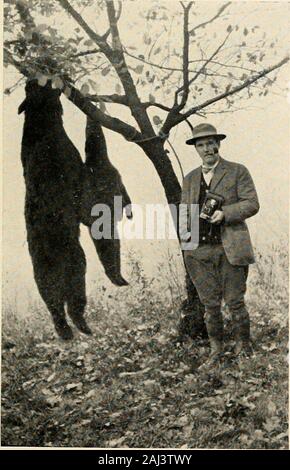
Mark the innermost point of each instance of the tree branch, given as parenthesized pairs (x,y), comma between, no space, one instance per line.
(118,16)
(99,40)
(202,25)
(185,59)
(203,67)
(149,104)
(116,58)
(113,20)
(115,98)
(83,103)
(173,117)
(236,89)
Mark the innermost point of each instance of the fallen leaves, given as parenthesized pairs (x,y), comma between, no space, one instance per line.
(130,385)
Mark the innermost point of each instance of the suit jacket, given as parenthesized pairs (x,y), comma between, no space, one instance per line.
(234,182)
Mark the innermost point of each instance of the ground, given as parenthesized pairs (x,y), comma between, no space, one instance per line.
(133,384)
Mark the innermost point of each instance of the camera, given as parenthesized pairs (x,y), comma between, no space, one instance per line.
(212,203)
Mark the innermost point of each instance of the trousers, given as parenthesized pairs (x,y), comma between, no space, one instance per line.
(216,279)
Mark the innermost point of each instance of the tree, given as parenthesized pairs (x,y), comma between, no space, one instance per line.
(211,72)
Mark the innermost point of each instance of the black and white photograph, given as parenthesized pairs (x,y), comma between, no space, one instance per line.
(145,226)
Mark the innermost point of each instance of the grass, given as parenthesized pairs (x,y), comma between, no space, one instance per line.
(133,385)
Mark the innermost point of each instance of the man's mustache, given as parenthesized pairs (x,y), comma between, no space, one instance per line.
(214,152)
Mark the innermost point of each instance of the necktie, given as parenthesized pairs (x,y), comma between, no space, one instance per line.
(206,169)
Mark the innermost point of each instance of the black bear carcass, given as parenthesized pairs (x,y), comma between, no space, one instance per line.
(103,183)
(55,180)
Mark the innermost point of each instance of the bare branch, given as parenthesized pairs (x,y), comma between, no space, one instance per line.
(203,67)
(185,59)
(113,25)
(217,15)
(161,67)
(84,53)
(148,104)
(236,89)
(115,98)
(118,16)
(178,69)
(173,116)
(172,119)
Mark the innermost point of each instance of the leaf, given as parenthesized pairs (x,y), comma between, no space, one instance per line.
(271,407)
(162,339)
(271,424)
(89,42)
(116,442)
(157,120)
(41,28)
(85,89)
(181,422)
(73,386)
(246,32)
(157,51)
(105,71)
(229,28)
(57,83)
(258,434)
(118,88)
(53,400)
(93,85)
(67,91)
(149,384)
(42,80)
(51,377)
(151,98)
(139,69)
(146,39)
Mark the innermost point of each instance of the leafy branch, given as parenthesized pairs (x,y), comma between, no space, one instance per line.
(205,23)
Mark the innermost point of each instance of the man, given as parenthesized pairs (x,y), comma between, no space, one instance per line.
(218,262)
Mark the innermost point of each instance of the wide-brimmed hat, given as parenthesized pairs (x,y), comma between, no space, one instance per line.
(204,130)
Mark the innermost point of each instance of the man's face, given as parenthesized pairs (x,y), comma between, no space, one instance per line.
(208,150)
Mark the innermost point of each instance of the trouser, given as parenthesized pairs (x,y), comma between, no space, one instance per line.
(216,279)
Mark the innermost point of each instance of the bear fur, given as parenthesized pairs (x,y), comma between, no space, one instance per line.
(55,180)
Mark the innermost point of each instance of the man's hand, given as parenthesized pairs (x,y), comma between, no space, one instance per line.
(217,217)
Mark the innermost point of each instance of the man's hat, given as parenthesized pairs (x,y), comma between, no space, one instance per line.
(204,130)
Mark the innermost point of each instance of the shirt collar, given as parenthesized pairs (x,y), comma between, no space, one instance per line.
(214,166)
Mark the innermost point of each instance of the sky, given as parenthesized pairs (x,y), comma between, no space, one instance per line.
(257,137)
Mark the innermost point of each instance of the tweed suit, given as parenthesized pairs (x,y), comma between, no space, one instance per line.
(220,271)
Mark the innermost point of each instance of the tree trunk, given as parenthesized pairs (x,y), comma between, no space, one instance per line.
(192,311)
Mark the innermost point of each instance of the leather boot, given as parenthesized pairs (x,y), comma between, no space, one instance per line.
(214,323)
(242,333)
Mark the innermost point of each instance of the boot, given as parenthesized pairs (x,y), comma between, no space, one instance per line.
(214,323)
(243,348)
(242,333)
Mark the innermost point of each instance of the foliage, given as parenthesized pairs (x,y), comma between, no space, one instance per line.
(215,52)
(134,385)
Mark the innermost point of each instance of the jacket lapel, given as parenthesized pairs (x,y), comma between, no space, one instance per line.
(219,173)
(195,186)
